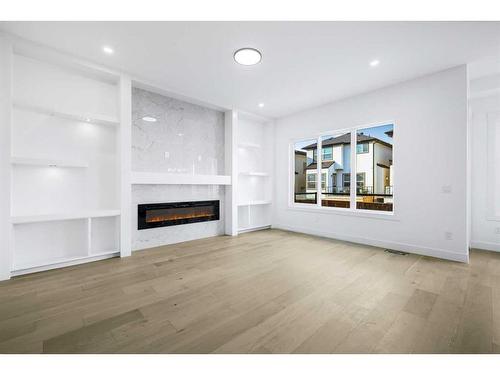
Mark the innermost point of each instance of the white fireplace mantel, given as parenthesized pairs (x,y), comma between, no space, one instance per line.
(149,178)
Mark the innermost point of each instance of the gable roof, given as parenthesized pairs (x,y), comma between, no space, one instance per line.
(345,139)
(324,165)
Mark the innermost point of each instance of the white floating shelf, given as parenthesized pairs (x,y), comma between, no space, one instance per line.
(48,162)
(260,174)
(85,117)
(21,269)
(249,145)
(147,178)
(25,219)
(254,203)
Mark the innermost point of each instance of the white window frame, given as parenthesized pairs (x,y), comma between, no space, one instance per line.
(352,210)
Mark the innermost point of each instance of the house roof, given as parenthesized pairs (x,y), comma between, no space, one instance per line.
(345,139)
(324,165)
(300,152)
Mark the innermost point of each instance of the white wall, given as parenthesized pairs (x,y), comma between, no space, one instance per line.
(430,139)
(485,173)
(5,179)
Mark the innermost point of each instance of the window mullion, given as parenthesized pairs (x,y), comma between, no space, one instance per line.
(353,170)
(319,158)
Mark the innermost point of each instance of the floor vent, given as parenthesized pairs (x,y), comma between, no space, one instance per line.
(395,252)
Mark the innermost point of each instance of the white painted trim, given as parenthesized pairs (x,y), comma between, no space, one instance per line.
(6,238)
(378,215)
(491,171)
(414,249)
(254,229)
(484,245)
(64,263)
(125,147)
(231,170)
(149,178)
(254,174)
(254,203)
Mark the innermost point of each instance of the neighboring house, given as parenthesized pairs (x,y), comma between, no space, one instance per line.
(374,161)
(300,171)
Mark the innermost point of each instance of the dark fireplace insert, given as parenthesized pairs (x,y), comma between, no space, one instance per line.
(156,215)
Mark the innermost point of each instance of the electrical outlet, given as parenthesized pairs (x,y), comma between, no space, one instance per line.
(497,230)
(167,154)
(448,235)
(446,189)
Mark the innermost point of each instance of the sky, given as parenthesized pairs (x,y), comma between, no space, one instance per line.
(377,132)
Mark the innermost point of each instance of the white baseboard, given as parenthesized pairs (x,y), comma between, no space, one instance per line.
(483,245)
(409,248)
(253,229)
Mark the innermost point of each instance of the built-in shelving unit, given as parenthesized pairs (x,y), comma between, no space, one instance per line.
(80,117)
(65,164)
(254,171)
(63,216)
(149,178)
(48,162)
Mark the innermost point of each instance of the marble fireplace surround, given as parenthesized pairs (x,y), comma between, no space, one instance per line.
(180,157)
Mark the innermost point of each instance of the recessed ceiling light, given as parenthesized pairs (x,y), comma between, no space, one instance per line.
(180,134)
(87,119)
(247,56)
(261,105)
(149,119)
(374,63)
(108,50)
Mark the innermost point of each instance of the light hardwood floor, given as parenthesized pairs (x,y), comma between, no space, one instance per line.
(263,292)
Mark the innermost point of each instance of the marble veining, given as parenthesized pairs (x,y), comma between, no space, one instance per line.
(186,138)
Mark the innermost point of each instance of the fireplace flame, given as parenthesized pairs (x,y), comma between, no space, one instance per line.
(158,218)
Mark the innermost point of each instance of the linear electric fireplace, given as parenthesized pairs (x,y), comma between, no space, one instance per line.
(156,215)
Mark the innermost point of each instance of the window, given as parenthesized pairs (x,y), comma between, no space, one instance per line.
(323,181)
(371,162)
(336,155)
(374,168)
(362,148)
(327,153)
(360,181)
(311,181)
(305,172)
(346,178)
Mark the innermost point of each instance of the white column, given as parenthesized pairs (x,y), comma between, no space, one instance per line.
(231,168)
(125,165)
(5,168)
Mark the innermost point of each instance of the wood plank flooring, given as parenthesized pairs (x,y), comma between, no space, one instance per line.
(263,292)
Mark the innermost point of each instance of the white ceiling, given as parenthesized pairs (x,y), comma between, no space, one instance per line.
(305,64)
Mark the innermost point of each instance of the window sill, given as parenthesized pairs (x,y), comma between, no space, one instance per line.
(381,215)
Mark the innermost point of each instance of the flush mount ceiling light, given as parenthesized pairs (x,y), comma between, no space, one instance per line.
(108,50)
(374,63)
(247,56)
(261,105)
(149,119)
